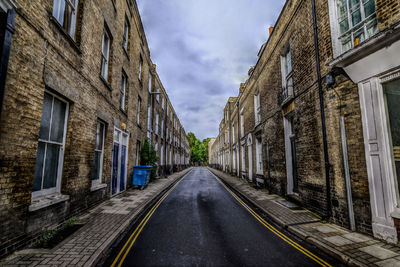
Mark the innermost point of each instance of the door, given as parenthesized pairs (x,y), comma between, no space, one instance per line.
(119,162)
(294,167)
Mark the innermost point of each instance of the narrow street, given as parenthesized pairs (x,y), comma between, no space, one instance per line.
(201,223)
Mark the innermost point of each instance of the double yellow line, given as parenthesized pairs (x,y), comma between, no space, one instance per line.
(132,239)
(274,230)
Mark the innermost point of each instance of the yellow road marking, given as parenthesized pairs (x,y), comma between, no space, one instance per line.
(274,230)
(140,227)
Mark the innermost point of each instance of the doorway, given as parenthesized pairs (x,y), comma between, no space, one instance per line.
(119,161)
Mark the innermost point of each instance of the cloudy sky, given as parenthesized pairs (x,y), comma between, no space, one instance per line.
(203,50)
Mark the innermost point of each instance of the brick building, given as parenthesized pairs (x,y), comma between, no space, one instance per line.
(340,161)
(73,109)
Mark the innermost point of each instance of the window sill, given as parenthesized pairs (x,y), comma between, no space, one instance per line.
(46,201)
(66,35)
(107,84)
(97,187)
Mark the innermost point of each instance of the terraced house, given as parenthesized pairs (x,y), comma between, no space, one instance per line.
(77,89)
(317,121)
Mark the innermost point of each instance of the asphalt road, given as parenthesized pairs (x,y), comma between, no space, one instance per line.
(201,224)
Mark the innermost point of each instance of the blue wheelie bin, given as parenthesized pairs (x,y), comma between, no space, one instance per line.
(141,176)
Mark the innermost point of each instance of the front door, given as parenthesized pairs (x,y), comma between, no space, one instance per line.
(119,162)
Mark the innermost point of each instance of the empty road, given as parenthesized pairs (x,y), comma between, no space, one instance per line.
(200,223)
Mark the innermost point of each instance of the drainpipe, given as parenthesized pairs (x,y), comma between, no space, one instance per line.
(321,104)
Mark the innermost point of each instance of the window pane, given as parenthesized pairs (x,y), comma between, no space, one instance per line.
(37,180)
(344,25)
(354,4)
(342,9)
(57,121)
(356,17)
(358,37)
(369,8)
(372,28)
(51,166)
(346,42)
(46,116)
(96,166)
(59,10)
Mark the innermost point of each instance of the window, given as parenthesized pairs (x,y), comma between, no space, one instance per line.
(167,110)
(356,22)
(138,110)
(242,123)
(137,152)
(49,158)
(149,126)
(259,156)
(105,54)
(64,11)
(286,69)
(140,67)
(233,133)
(157,126)
(162,102)
(123,91)
(257,108)
(98,153)
(126,34)
(162,128)
(158,96)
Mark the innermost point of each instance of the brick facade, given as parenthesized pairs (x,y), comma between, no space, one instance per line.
(294,32)
(45,58)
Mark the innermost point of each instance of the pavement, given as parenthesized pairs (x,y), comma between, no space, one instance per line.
(353,249)
(201,223)
(103,226)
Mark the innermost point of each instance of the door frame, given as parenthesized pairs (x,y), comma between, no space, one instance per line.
(125,134)
(378,155)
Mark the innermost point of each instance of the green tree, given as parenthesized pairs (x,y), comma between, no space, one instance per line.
(198,149)
(148,156)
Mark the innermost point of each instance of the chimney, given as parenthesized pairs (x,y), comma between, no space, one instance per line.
(270,30)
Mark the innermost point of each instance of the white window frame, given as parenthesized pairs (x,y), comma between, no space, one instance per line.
(233,133)
(57,188)
(137,152)
(105,54)
(335,27)
(125,42)
(124,80)
(287,71)
(59,14)
(140,67)
(97,181)
(259,158)
(139,106)
(157,126)
(257,109)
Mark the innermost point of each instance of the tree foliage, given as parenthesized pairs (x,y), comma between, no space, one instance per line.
(198,149)
(148,156)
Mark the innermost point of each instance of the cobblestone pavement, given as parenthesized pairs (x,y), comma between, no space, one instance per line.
(352,248)
(103,224)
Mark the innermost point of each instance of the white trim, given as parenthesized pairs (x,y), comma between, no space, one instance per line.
(43,192)
(120,142)
(7,4)
(378,159)
(97,182)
